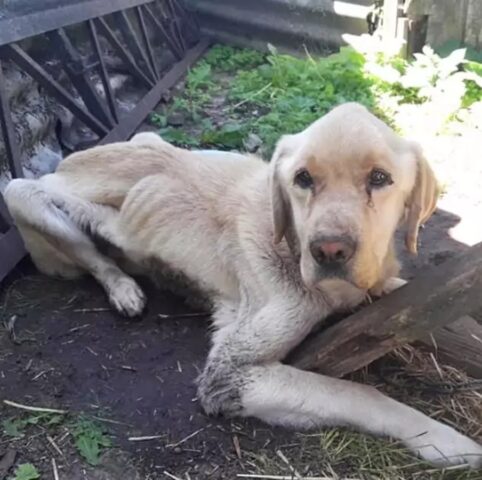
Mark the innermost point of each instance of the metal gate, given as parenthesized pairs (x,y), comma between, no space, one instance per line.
(132,28)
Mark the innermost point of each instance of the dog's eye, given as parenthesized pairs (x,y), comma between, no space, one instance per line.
(378,178)
(303,179)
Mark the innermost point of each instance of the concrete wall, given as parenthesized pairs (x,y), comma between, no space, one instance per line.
(459,20)
(291,25)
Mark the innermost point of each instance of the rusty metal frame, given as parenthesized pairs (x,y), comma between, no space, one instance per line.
(166,20)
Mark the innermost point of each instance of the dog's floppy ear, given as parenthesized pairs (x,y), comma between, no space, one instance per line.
(422,200)
(280,206)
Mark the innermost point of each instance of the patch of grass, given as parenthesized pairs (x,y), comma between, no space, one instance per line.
(339,453)
(26,471)
(15,426)
(225,58)
(90,439)
(292,92)
(271,95)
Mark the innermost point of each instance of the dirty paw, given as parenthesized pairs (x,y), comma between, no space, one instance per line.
(127,297)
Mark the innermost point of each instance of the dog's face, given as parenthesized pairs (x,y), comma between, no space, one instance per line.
(339,190)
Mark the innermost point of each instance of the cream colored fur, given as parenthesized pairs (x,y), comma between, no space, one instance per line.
(240,230)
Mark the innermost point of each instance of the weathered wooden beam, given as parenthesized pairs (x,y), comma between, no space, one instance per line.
(437,297)
(459,344)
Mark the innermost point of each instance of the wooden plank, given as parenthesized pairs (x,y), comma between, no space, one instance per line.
(436,298)
(390,19)
(459,344)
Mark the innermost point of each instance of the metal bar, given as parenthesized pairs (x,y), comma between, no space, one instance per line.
(102,70)
(125,55)
(8,131)
(147,43)
(132,41)
(164,33)
(76,69)
(44,20)
(126,128)
(6,220)
(13,250)
(27,63)
(176,25)
(190,20)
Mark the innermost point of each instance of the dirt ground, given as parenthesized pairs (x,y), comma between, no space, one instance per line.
(73,352)
(137,378)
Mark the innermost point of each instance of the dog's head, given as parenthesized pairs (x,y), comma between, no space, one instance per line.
(341,187)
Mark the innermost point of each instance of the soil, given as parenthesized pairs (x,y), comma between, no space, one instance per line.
(71,351)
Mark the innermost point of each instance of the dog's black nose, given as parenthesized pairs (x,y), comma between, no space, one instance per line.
(333,250)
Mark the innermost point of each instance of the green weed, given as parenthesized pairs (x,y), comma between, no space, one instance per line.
(276,94)
(90,439)
(15,426)
(26,471)
(224,58)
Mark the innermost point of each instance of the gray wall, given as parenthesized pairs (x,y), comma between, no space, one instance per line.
(459,20)
(288,24)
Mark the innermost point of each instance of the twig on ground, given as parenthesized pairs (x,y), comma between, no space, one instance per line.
(34,409)
(287,462)
(54,469)
(286,477)
(182,315)
(237,446)
(185,439)
(54,445)
(92,310)
(170,475)
(146,438)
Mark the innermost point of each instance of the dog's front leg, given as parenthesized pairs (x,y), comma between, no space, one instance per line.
(243,377)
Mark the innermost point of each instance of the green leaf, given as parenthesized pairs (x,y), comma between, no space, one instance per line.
(178,137)
(13,427)
(89,440)
(89,448)
(26,471)
(230,135)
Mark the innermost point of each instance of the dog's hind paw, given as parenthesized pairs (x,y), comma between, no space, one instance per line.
(127,297)
(444,446)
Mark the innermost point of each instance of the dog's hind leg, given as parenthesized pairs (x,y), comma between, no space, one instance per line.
(53,226)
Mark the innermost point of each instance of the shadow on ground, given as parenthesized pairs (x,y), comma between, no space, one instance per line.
(72,352)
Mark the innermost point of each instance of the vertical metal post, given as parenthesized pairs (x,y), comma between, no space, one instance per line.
(8,131)
(147,43)
(103,72)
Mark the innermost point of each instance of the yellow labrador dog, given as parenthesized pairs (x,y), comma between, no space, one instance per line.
(275,247)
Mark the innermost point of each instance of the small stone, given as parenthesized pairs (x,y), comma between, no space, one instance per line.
(177,450)
(252,143)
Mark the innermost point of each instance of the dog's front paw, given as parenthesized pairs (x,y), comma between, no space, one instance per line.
(127,297)
(444,446)
(388,286)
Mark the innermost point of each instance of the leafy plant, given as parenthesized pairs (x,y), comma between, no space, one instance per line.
(13,427)
(224,58)
(230,135)
(26,471)
(90,439)
(274,94)
(178,137)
